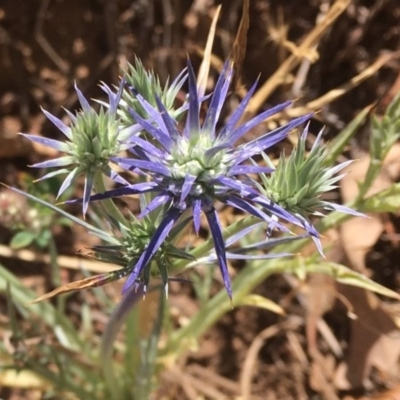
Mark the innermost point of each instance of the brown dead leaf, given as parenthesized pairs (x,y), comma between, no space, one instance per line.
(240,43)
(375,341)
(321,373)
(93,281)
(207,55)
(392,394)
(358,235)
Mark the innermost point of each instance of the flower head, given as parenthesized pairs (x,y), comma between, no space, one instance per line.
(193,169)
(93,139)
(301,179)
(147,84)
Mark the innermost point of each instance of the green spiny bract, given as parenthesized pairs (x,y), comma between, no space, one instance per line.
(299,180)
(147,84)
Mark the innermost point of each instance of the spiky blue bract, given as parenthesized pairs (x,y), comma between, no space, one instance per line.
(93,138)
(195,168)
(148,85)
(301,179)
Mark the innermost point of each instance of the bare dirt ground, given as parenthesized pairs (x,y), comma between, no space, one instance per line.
(47,44)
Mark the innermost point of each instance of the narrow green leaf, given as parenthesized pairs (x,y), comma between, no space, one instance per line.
(348,276)
(337,145)
(256,300)
(90,228)
(387,200)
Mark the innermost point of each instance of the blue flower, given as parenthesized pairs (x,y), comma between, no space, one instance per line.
(193,169)
(301,179)
(93,139)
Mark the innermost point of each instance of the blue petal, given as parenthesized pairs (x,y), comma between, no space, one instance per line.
(178,82)
(55,144)
(215,150)
(73,119)
(318,140)
(87,190)
(243,129)
(269,139)
(162,137)
(186,188)
(67,181)
(215,228)
(136,188)
(112,104)
(304,134)
(234,256)
(84,103)
(148,165)
(147,146)
(54,173)
(114,101)
(218,99)
(249,169)
(270,243)
(157,201)
(156,241)
(57,162)
(244,205)
(235,184)
(275,209)
(153,113)
(116,177)
(343,209)
(169,122)
(235,117)
(59,124)
(196,206)
(192,123)
(237,236)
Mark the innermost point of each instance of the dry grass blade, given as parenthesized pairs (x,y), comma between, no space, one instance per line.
(62,261)
(240,43)
(207,55)
(334,94)
(251,356)
(352,83)
(303,50)
(92,281)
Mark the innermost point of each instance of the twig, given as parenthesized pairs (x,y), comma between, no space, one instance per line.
(44,44)
(306,63)
(63,261)
(294,60)
(258,342)
(110,17)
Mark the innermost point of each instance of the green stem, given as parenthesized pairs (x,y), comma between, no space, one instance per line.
(208,245)
(108,204)
(244,283)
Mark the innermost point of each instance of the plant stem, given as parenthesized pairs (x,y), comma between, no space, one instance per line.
(244,283)
(108,204)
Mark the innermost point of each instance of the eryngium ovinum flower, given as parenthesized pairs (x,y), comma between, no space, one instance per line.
(147,84)
(133,238)
(193,169)
(93,139)
(301,179)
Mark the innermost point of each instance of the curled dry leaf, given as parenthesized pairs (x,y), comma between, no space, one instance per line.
(358,235)
(375,338)
(375,341)
(93,281)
